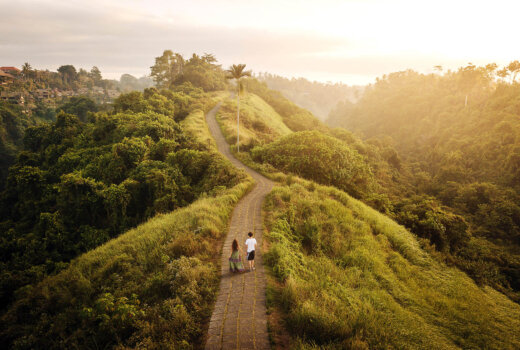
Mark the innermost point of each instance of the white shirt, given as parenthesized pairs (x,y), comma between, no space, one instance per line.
(250,243)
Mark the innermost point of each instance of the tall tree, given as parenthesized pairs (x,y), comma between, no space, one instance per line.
(237,72)
(166,68)
(68,73)
(95,74)
(26,70)
(514,68)
(209,57)
(503,73)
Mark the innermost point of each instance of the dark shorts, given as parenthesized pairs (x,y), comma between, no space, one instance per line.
(251,255)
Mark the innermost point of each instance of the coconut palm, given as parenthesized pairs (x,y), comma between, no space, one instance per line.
(26,70)
(237,72)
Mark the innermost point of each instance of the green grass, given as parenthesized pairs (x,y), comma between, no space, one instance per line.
(349,277)
(195,125)
(259,122)
(346,276)
(152,287)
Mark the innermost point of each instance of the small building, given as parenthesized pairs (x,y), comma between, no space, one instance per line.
(43,94)
(13,97)
(5,78)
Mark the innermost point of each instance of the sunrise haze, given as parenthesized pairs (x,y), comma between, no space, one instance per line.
(348,41)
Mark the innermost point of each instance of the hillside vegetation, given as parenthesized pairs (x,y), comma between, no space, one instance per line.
(318,98)
(296,118)
(457,133)
(259,122)
(349,277)
(137,288)
(13,123)
(153,287)
(346,276)
(78,184)
(319,157)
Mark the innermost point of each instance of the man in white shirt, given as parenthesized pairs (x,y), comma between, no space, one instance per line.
(251,247)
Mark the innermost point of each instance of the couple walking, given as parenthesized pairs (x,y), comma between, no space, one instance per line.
(235,260)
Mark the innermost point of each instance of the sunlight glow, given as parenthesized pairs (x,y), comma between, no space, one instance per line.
(326,39)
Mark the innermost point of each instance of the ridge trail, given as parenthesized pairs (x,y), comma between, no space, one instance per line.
(239,319)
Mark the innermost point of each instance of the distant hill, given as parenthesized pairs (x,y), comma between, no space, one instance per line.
(319,98)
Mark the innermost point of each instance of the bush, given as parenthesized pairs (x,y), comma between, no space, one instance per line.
(320,158)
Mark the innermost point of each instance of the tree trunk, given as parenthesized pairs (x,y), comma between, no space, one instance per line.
(238,119)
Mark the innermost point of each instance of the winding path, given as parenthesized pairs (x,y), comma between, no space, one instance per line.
(239,319)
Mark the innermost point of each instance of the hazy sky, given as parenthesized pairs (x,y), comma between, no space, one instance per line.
(327,40)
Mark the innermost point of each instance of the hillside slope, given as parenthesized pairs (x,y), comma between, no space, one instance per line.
(134,290)
(259,122)
(349,277)
(459,134)
(346,276)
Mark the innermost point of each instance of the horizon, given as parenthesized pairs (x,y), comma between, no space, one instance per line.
(351,42)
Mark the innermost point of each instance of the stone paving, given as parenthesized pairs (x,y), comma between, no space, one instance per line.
(239,319)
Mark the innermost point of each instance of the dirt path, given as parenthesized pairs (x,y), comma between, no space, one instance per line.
(239,320)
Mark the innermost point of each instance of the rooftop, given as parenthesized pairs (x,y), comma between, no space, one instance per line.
(9,68)
(4,74)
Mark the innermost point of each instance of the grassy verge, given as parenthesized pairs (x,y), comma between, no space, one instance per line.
(152,287)
(259,122)
(348,277)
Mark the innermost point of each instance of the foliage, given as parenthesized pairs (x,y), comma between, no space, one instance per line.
(427,219)
(348,277)
(79,106)
(128,82)
(76,185)
(172,69)
(456,136)
(151,287)
(318,157)
(13,122)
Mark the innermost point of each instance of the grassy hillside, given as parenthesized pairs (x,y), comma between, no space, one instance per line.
(296,118)
(458,133)
(152,287)
(346,276)
(259,122)
(349,277)
(330,156)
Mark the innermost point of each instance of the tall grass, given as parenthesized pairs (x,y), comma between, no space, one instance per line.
(259,122)
(349,277)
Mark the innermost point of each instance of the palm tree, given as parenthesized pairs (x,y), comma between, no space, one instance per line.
(26,70)
(237,72)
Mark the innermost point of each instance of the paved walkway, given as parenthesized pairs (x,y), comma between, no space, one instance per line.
(239,320)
